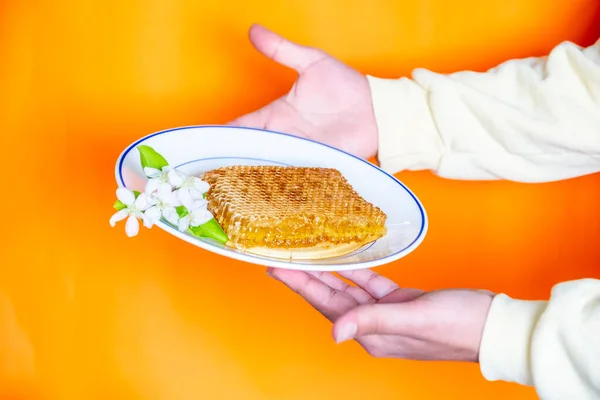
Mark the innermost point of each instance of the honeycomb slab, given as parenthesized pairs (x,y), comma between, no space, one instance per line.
(291,212)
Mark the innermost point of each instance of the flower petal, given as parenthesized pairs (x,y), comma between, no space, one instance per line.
(132,226)
(151,172)
(167,196)
(198,205)
(152,200)
(118,216)
(152,186)
(176,178)
(163,189)
(200,185)
(151,216)
(153,213)
(142,203)
(170,215)
(148,222)
(200,217)
(125,196)
(184,197)
(184,223)
(196,194)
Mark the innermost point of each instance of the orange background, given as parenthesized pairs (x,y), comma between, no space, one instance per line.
(87,313)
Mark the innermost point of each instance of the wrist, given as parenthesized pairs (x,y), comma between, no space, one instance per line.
(504,348)
(406,133)
(480,307)
(367,133)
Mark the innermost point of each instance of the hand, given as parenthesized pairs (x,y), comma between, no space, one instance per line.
(329,102)
(389,321)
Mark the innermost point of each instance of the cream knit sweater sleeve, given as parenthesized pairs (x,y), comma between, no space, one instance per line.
(528,120)
(553,345)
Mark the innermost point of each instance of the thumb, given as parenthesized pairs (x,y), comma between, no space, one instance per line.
(376,319)
(283,51)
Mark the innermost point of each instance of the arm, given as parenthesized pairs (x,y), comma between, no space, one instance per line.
(554,345)
(529,120)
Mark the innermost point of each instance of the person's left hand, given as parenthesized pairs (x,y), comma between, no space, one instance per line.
(389,321)
(330,102)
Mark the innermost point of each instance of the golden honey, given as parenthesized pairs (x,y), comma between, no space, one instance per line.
(290,207)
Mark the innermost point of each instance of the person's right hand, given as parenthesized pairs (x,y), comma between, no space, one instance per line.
(329,102)
(393,322)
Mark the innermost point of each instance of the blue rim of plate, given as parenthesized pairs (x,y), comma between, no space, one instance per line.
(422,229)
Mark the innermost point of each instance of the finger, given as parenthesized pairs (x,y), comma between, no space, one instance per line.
(374,284)
(377,319)
(283,51)
(329,302)
(336,283)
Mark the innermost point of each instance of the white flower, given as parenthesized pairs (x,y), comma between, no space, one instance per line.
(151,216)
(163,203)
(153,186)
(134,209)
(189,188)
(166,190)
(160,174)
(176,178)
(200,217)
(158,180)
(198,214)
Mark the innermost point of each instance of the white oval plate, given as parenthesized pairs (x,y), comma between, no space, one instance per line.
(196,149)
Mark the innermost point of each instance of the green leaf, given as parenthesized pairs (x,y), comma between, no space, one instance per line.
(136,193)
(181,211)
(150,158)
(210,229)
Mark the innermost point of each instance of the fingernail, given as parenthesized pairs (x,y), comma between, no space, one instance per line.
(346,332)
